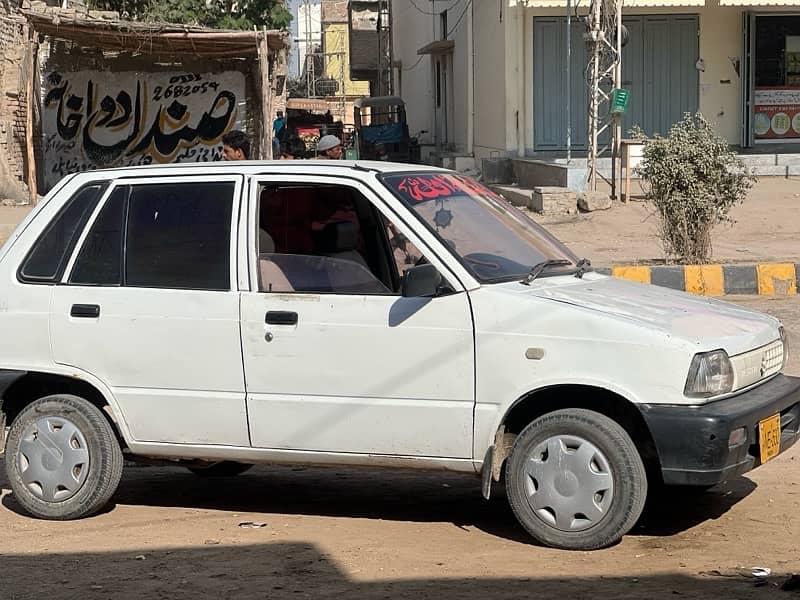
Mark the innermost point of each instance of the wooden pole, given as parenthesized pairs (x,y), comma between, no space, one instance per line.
(266,98)
(31,51)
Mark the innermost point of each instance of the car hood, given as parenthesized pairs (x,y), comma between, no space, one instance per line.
(704,322)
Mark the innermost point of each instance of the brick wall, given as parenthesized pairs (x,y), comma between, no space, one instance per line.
(334,11)
(12,98)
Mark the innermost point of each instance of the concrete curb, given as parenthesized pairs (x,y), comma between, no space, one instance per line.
(765,279)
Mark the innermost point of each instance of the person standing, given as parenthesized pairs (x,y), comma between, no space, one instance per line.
(277,127)
(380,152)
(235,145)
(292,148)
(330,147)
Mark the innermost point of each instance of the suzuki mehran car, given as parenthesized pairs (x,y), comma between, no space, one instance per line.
(334,313)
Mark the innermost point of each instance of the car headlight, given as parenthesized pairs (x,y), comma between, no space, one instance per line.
(710,374)
(785,340)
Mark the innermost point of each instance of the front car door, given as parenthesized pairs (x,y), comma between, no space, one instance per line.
(336,360)
(148,305)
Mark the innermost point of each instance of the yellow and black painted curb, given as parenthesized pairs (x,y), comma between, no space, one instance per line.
(766,279)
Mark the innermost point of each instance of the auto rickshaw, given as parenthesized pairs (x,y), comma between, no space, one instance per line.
(384,136)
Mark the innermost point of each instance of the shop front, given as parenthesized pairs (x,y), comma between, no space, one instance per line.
(772,88)
(658,69)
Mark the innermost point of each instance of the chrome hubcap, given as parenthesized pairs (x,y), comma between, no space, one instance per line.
(568,483)
(53,459)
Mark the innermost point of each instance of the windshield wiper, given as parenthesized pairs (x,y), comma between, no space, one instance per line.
(537,269)
(584,266)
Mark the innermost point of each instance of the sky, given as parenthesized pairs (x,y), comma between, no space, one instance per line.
(293,4)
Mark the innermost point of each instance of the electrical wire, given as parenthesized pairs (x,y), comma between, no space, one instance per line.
(463,12)
(425,12)
(414,66)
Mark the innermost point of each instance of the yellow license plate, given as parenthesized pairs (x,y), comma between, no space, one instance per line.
(769,437)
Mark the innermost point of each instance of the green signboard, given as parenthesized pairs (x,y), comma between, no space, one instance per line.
(619,101)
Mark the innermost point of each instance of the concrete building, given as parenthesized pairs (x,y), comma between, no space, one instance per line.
(484,77)
(336,47)
(309,31)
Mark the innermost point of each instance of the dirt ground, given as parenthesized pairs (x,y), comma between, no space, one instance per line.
(340,533)
(766,228)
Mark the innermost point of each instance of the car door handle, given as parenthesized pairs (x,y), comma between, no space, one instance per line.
(85,311)
(281,317)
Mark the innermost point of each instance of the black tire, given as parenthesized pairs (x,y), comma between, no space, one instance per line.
(613,455)
(99,475)
(221,469)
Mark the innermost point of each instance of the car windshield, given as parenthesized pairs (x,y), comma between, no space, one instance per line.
(494,240)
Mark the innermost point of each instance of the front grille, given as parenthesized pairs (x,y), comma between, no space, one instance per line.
(772,359)
(755,365)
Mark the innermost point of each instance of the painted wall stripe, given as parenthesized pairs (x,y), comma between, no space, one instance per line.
(705,280)
(640,274)
(777,279)
(668,276)
(773,279)
(740,279)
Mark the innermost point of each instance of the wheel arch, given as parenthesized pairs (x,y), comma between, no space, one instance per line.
(537,403)
(32,385)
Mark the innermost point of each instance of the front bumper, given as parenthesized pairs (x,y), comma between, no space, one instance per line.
(692,441)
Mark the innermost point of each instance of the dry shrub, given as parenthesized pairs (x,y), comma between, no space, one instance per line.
(693,179)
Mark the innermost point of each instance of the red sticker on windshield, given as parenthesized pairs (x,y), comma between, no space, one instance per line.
(420,188)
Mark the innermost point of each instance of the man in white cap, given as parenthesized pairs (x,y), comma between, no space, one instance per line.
(330,146)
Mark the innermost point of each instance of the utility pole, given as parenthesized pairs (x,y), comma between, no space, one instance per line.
(311,76)
(342,91)
(383,82)
(602,35)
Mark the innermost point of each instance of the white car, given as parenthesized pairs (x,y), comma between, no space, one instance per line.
(227,314)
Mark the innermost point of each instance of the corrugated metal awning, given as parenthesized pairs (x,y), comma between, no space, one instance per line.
(95,31)
(627,4)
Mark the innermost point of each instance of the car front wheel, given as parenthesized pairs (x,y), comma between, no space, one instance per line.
(63,460)
(575,480)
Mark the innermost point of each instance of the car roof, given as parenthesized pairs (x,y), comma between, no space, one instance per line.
(253,167)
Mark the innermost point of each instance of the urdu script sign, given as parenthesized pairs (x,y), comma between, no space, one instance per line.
(97,119)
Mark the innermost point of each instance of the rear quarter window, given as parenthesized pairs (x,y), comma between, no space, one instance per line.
(48,257)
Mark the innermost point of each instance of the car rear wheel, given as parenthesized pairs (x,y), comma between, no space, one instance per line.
(221,469)
(63,459)
(575,480)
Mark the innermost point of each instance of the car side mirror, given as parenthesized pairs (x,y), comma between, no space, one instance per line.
(422,280)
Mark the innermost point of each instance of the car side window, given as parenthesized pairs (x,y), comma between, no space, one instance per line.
(404,252)
(165,235)
(320,239)
(178,236)
(47,260)
(100,259)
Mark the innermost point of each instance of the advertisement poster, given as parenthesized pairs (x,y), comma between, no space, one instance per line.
(96,119)
(776,113)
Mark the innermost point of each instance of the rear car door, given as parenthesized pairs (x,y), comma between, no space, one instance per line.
(148,304)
